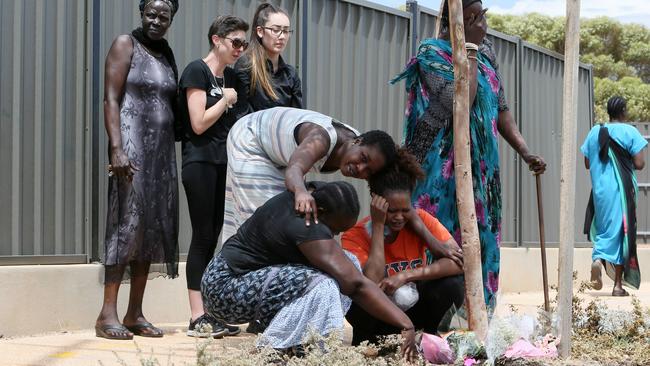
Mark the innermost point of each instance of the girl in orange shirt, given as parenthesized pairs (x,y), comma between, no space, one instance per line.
(397,245)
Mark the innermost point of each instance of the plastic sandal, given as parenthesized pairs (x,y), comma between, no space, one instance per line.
(104,331)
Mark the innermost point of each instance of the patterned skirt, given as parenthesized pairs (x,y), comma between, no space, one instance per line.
(288,300)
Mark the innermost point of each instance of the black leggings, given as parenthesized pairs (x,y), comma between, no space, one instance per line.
(205,188)
(436,297)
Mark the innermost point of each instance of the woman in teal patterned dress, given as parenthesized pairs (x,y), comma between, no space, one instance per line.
(429,134)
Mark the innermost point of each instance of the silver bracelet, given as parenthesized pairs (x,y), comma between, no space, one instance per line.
(471,46)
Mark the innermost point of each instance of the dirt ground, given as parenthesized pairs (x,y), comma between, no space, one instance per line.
(175,348)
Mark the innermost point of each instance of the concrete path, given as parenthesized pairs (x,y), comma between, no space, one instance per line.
(83,348)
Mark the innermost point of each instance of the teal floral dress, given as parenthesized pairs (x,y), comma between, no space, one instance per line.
(429,136)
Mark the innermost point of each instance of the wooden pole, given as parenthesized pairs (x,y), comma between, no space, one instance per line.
(542,239)
(475,301)
(567,176)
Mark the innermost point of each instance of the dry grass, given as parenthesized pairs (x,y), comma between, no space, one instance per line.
(601,336)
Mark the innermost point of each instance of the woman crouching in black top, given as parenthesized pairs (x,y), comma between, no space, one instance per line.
(292,277)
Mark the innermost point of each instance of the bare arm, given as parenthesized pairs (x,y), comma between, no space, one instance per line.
(376,263)
(200,118)
(449,249)
(118,64)
(313,146)
(473,80)
(638,160)
(441,268)
(328,256)
(508,129)
(586,163)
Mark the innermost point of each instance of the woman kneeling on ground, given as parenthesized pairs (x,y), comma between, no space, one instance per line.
(289,276)
(401,247)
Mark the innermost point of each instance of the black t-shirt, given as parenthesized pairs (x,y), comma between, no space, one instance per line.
(210,146)
(285,81)
(271,236)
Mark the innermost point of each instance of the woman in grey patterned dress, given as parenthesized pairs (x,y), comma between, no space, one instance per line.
(142,218)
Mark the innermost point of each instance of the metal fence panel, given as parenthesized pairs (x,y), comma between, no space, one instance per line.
(42,133)
(53,143)
(354,49)
(542,86)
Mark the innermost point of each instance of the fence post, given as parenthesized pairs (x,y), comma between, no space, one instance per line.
(519,227)
(413,8)
(94,172)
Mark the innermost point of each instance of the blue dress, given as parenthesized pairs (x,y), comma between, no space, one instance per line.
(611,221)
(429,136)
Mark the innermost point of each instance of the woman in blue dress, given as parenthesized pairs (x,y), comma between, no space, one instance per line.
(612,152)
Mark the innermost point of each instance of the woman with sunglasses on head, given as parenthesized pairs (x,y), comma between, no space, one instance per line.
(209,106)
(429,134)
(267,80)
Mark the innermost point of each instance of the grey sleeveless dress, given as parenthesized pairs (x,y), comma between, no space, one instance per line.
(142,218)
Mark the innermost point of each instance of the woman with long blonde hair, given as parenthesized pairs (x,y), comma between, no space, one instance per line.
(268,80)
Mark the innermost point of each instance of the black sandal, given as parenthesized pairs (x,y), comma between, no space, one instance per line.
(104,331)
(145,329)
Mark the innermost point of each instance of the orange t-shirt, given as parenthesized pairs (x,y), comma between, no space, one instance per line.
(408,251)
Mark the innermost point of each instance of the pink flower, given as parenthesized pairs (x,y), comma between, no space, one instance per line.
(492,78)
(470,362)
(495,130)
(409,102)
(498,238)
(493,282)
(424,202)
(448,167)
(445,56)
(480,212)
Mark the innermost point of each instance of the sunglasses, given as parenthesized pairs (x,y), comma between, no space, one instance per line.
(238,43)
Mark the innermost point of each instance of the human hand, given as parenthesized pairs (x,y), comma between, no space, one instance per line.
(408,348)
(450,250)
(378,209)
(536,164)
(390,284)
(230,95)
(305,204)
(120,165)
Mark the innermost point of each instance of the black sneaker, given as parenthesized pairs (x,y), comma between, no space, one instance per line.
(255,327)
(232,330)
(204,327)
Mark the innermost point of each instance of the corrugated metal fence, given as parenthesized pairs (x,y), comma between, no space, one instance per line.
(53,144)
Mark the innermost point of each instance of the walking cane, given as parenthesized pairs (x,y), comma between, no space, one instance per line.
(542,240)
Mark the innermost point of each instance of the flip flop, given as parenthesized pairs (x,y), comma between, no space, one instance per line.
(104,331)
(620,293)
(596,275)
(145,329)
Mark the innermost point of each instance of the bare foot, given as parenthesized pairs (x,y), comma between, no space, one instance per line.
(111,328)
(596,275)
(141,327)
